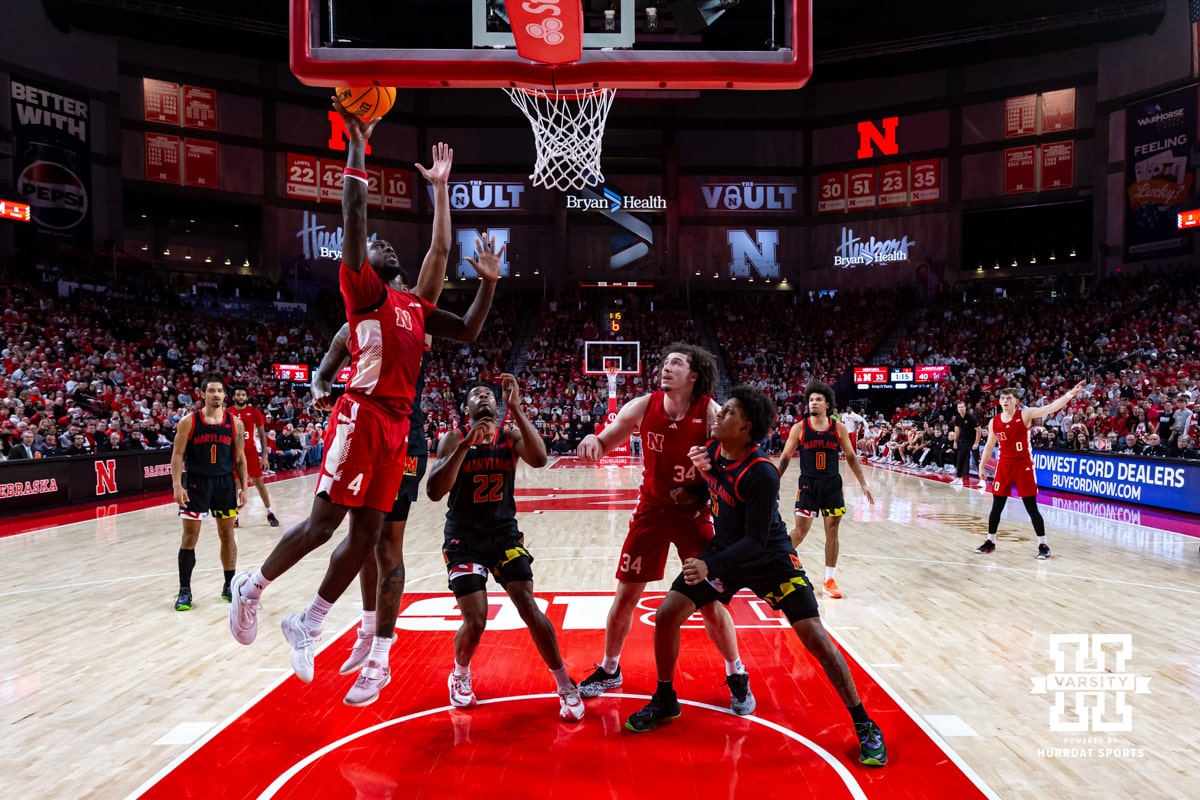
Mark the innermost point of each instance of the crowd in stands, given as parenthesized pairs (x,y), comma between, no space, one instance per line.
(92,372)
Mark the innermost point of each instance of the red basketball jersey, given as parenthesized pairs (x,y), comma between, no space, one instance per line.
(1014,439)
(253,421)
(665,445)
(387,338)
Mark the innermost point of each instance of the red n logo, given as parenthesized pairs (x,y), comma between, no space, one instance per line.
(868,134)
(106,477)
(337,133)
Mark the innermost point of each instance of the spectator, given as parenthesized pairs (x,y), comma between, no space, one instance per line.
(1186,450)
(1155,448)
(26,448)
(79,446)
(111,445)
(291,450)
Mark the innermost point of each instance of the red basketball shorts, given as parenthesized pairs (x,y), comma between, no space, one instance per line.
(364,455)
(1009,475)
(652,531)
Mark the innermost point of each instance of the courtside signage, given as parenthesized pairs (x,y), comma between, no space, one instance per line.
(1159,483)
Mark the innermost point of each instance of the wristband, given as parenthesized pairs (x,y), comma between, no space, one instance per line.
(356,174)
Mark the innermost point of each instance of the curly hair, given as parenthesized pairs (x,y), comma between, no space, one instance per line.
(758,409)
(701,362)
(823,389)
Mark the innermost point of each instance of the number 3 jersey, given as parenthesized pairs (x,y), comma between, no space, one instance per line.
(665,446)
(482,501)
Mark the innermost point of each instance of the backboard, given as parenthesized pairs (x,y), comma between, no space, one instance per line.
(626,356)
(627,44)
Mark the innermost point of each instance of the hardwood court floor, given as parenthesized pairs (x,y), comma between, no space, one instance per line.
(104,685)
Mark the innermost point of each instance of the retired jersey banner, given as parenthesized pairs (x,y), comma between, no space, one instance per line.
(1159,136)
(52,156)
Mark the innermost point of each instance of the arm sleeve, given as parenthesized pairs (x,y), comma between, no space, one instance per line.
(758,487)
(361,289)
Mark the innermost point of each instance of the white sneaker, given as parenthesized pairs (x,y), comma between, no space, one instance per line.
(371,680)
(243,612)
(461,693)
(570,704)
(302,642)
(358,653)
(956,482)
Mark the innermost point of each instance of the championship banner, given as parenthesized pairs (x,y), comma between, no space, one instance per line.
(52,158)
(1159,135)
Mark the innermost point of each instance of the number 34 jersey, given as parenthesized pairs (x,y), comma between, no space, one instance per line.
(665,446)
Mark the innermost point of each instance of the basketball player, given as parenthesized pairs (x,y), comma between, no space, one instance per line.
(209,448)
(363,463)
(1010,428)
(819,438)
(255,444)
(672,508)
(855,424)
(477,470)
(751,550)
(443,324)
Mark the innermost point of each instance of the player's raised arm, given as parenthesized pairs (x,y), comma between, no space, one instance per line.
(354,189)
(1036,412)
(528,444)
(433,268)
(467,327)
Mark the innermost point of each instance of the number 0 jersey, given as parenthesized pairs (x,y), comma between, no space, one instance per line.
(665,445)
(1013,437)
(482,499)
(818,450)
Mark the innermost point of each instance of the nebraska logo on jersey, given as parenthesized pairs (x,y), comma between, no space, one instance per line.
(404,319)
(654,441)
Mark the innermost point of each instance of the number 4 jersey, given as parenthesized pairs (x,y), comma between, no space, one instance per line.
(665,446)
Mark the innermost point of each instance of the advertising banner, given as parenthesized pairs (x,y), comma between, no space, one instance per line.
(1159,136)
(1161,483)
(52,158)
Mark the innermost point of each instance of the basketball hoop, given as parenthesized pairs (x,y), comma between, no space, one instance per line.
(568,129)
(612,372)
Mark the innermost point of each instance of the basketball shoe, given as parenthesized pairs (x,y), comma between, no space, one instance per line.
(461,693)
(359,653)
(988,546)
(302,641)
(243,612)
(600,682)
(184,601)
(226,593)
(272,519)
(371,680)
(831,588)
(570,704)
(1044,551)
(871,749)
(654,714)
(741,699)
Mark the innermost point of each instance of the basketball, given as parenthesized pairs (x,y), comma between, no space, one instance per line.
(367,102)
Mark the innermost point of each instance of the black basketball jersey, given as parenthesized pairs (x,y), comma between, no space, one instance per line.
(745,501)
(210,447)
(818,450)
(482,499)
(417,444)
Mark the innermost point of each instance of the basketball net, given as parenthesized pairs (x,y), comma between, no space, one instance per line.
(568,131)
(612,373)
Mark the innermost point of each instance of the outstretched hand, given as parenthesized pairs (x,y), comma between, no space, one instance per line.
(512,392)
(487,263)
(356,126)
(443,157)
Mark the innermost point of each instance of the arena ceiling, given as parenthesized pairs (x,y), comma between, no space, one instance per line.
(851,39)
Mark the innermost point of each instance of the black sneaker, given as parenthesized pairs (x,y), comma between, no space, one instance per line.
(226,594)
(987,547)
(274,520)
(184,601)
(600,682)
(741,699)
(871,750)
(1044,551)
(654,714)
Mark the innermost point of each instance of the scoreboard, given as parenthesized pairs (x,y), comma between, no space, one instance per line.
(883,377)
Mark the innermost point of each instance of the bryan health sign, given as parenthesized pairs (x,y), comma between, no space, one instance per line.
(1159,483)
